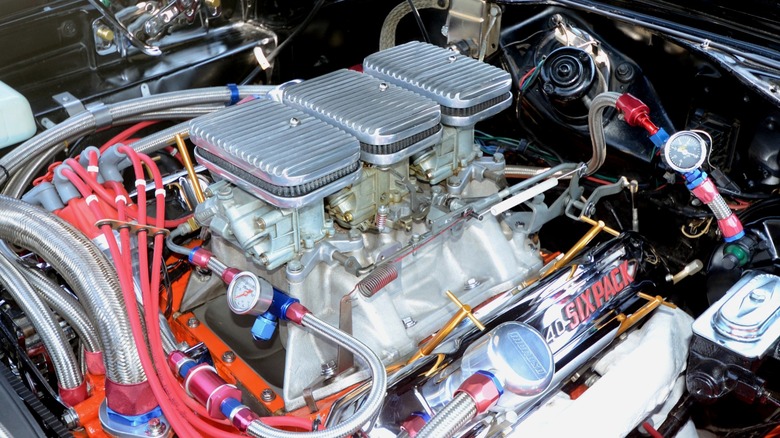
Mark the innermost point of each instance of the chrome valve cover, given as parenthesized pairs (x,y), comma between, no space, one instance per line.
(390,122)
(284,156)
(467,90)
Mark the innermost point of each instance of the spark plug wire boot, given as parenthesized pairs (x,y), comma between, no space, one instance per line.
(112,163)
(46,196)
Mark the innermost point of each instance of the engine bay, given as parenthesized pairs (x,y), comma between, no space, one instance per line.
(452,218)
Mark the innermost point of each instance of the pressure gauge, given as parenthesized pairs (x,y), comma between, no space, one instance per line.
(685,151)
(247,294)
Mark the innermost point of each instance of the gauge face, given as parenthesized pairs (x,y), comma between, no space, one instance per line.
(244,293)
(685,151)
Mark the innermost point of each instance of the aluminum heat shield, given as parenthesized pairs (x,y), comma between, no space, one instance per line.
(282,155)
(467,90)
(391,123)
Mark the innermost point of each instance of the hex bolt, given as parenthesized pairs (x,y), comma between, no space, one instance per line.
(225,193)
(383,86)
(452,58)
(295,121)
(625,72)
(70,418)
(155,427)
(202,274)
(193,322)
(354,234)
(328,369)
(228,356)
(295,266)
(268,395)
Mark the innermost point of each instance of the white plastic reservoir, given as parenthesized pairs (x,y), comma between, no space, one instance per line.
(16,118)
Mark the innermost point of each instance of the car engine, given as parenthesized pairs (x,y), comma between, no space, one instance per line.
(507,218)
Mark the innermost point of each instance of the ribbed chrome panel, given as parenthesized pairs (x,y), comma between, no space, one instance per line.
(391,123)
(467,90)
(283,155)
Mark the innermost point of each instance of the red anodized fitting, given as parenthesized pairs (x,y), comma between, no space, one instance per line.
(176,359)
(74,396)
(242,417)
(706,192)
(482,389)
(95,365)
(413,425)
(636,113)
(730,226)
(205,386)
(295,312)
(200,257)
(229,274)
(132,399)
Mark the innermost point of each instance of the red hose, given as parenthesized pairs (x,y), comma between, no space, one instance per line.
(124,135)
(651,430)
(150,302)
(93,162)
(174,402)
(103,194)
(166,389)
(121,209)
(181,427)
(151,298)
